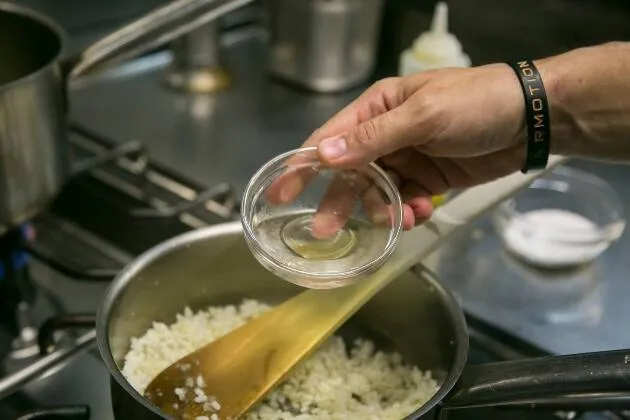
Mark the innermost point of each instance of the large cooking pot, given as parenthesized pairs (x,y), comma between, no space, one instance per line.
(414,314)
(34,161)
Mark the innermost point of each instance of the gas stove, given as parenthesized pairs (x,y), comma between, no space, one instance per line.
(186,170)
(55,269)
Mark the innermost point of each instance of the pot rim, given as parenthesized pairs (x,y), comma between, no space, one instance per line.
(127,274)
(460,341)
(50,24)
(124,277)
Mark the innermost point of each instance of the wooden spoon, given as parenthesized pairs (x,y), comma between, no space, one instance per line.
(240,368)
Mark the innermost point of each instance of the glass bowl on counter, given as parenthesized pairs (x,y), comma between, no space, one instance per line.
(320,227)
(563,219)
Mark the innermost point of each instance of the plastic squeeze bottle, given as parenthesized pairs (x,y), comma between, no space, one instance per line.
(434,49)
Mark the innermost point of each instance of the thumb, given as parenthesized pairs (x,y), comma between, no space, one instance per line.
(368,141)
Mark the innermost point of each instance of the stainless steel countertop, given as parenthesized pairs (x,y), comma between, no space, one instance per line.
(572,312)
(227,136)
(211,138)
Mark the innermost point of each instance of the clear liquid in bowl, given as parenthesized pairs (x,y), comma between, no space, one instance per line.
(297,235)
(290,240)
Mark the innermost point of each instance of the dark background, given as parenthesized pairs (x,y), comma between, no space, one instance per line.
(494,30)
(490,30)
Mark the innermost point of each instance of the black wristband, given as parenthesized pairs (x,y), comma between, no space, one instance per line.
(536,115)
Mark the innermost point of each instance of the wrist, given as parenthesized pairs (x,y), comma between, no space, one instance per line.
(537,120)
(564,135)
(563,130)
(511,111)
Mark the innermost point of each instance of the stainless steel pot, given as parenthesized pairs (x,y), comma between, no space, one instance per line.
(414,315)
(34,161)
(323,45)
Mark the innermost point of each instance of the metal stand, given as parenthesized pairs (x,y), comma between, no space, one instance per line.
(196,65)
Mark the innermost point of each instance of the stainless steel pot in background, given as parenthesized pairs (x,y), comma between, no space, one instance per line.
(414,314)
(323,45)
(34,161)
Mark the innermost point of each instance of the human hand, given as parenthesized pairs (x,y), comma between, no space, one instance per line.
(431,132)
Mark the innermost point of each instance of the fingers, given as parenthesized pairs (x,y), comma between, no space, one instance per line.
(409,220)
(423,179)
(377,210)
(417,205)
(418,168)
(378,99)
(375,205)
(335,208)
(342,196)
(368,141)
(418,200)
(346,190)
(380,212)
(288,186)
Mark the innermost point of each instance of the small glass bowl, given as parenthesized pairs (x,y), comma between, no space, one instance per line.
(534,225)
(320,227)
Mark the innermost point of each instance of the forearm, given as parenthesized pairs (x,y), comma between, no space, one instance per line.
(589,94)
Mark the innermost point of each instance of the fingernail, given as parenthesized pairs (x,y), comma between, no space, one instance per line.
(333,148)
(381,217)
(325,225)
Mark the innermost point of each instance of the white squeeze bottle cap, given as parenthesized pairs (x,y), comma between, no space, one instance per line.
(435,48)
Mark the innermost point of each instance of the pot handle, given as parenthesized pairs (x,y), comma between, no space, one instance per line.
(71,412)
(544,382)
(153,30)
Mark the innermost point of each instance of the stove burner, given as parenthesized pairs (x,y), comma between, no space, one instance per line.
(18,297)
(13,256)
(17,292)
(117,204)
(60,323)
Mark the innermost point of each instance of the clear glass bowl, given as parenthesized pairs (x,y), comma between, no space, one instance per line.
(563,219)
(320,227)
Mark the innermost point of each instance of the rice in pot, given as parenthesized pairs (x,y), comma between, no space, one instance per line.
(335,383)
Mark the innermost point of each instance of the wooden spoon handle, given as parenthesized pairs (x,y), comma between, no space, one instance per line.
(415,245)
(243,366)
(459,211)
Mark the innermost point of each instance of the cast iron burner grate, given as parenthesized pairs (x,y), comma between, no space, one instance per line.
(118,205)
